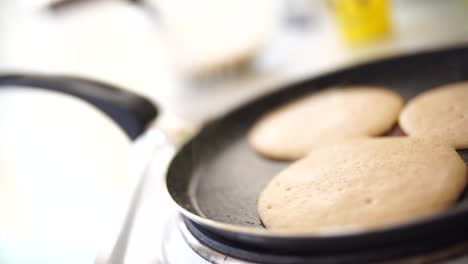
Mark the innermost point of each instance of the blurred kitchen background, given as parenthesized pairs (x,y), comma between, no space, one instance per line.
(63,164)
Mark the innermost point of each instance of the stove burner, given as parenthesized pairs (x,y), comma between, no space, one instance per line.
(215,250)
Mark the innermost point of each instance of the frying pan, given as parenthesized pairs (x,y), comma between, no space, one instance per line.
(215,178)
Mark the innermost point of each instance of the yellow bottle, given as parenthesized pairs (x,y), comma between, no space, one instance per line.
(361,20)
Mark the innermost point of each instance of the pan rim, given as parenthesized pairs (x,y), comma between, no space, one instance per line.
(449,214)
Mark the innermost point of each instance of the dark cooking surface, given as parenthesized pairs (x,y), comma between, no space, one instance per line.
(228,175)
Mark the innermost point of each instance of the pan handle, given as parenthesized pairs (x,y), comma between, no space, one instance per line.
(130,111)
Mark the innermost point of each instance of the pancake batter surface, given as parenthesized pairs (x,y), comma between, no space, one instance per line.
(440,114)
(362,185)
(325,117)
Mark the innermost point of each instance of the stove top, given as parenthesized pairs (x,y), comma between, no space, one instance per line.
(184,234)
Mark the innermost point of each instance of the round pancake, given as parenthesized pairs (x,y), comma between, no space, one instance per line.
(362,185)
(440,114)
(333,115)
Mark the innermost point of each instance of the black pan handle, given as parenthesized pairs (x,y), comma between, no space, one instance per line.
(130,111)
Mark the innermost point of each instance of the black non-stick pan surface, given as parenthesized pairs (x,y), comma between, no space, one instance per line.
(216,177)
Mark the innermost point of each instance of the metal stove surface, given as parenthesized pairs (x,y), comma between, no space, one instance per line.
(175,248)
(182,246)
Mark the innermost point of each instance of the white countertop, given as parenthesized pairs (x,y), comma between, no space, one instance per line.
(116,42)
